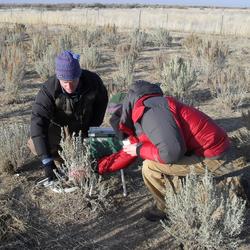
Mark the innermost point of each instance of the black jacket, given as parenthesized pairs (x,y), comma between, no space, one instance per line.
(78,112)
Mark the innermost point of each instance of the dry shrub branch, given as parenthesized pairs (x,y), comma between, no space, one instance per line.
(13,147)
(12,71)
(79,167)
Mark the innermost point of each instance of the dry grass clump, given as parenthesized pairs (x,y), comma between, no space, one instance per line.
(13,147)
(12,70)
(110,37)
(178,78)
(242,138)
(203,215)
(230,87)
(160,37)
(79,167)
(90,58)
(213,56)
(138,39)
(125,50)
(159,59)
(87,37)
(38,45)
(45,66)
(192,43)
(10,223)
(210,56)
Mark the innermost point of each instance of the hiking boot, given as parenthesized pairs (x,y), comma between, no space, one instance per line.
(154,214)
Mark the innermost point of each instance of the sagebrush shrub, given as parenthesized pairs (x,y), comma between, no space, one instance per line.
(45,66)
(214,53)
(65,41)
(12,70)
(160,37)
(13,146)
(138,39)
(79,166)
(124,76)
(110,38)
(242,137)
(230,87)
(192,43)
(178,78)
(90,58)
(109,28)
(125,51)
(159,59)
(88,37)
(39,43)
(209,56)
(203,215)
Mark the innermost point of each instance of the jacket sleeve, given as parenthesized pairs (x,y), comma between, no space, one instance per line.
(42,111)
(165,144)
(114,162)
(100,104)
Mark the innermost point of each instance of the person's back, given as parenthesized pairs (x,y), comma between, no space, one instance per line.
(201,134)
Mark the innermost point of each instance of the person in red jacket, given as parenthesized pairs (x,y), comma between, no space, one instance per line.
(170,136)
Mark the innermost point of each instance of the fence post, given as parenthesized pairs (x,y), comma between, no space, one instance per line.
(221,25)
(167,22)
(98,16)
(86,16)
(139,21)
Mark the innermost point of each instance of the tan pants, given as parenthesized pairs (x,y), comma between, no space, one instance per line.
(157,177)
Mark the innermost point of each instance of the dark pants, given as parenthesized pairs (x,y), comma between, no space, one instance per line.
(54,137)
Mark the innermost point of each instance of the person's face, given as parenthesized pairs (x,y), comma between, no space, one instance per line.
(69,85)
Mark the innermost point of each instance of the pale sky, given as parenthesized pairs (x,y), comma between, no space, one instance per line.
(222,3)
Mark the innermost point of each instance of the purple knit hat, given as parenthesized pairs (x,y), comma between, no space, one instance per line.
(67,66)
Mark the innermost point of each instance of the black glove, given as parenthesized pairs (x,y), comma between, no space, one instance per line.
(48,169)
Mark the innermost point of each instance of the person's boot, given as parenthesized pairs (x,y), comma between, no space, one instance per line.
(154,214)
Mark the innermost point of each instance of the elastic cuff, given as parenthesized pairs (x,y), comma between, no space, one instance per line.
(138,149)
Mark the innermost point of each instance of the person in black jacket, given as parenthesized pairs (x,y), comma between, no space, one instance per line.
(73,99)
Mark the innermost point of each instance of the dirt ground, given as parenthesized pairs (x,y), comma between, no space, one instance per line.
(37,218)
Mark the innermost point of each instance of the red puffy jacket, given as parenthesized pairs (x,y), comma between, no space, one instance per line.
(199,132)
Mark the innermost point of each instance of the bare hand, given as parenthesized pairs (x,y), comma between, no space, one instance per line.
(130,149)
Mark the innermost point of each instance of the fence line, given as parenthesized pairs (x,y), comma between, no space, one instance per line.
(211,21)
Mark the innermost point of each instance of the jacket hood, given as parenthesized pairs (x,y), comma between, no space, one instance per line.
(139,89)
(136,91)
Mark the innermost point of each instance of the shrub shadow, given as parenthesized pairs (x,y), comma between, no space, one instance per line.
(230,124)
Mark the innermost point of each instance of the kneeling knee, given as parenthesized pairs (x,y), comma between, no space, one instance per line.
(146,167)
